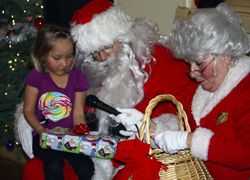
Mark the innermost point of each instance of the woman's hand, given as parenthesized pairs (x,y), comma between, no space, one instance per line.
(172,141)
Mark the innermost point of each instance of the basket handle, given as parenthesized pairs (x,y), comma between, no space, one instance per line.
(145,127)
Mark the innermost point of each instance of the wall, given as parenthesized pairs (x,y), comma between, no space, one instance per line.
(160,11)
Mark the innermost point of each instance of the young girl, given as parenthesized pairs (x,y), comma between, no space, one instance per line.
(54,96)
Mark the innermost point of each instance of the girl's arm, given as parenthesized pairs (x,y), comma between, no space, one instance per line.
(30,96)
(78,113)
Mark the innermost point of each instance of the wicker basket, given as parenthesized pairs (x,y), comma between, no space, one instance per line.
(180,165)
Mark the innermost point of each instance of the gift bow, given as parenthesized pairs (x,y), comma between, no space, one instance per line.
(138,164)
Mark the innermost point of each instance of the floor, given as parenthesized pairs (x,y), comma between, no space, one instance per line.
(10,170)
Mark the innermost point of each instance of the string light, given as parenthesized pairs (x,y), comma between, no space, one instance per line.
(13,63)
(13,22)
(6,128)
(14,34)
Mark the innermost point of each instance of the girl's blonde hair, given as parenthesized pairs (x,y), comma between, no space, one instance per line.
(44,43)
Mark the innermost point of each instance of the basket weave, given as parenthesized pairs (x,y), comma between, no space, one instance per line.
(181,165)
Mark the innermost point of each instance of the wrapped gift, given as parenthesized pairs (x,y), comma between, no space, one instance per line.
(92,144)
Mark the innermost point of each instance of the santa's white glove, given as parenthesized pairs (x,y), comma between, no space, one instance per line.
(25,135)
(172,141)
(131,120)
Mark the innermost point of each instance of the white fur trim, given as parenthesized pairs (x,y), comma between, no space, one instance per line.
(104,169)
(200,143)
(204,101)
(102,30)
(166,122)
(163,123)
(23,131)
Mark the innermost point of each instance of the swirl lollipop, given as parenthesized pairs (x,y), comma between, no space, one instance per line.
(54,106)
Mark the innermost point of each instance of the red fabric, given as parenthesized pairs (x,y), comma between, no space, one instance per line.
(134,154)
(90,10)
(33,169)
(81,129)
(197,2)
(231,146)
(167,75)
(88,108)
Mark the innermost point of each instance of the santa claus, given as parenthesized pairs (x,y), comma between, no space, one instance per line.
(126,65)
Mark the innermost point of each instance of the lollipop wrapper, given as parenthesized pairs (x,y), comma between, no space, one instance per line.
(92,144)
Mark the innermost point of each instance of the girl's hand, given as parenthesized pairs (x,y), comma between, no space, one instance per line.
(40,134)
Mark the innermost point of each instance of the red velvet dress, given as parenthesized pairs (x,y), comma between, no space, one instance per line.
(228,150)
(228,155)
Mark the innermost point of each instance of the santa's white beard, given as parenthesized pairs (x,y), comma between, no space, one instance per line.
(118,81)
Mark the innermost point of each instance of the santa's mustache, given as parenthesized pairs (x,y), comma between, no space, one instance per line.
(97,71)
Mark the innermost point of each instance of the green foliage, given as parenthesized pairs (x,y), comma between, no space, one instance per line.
(20,9)
(12,82)
(15,61)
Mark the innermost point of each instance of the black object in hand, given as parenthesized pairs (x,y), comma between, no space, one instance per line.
(93,101)
(114,127)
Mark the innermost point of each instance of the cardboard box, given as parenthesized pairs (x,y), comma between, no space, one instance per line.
(94,144)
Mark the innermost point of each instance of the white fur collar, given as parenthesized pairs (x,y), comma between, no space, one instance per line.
(204,101)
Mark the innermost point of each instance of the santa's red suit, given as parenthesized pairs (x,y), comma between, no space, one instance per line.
(168,76)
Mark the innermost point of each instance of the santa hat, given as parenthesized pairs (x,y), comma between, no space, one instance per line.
(98,24)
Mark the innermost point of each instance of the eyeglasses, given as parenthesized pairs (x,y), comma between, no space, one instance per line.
(201,67)
(198,69)
(107,49)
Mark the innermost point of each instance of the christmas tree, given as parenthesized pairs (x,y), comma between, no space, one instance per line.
(19,22)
